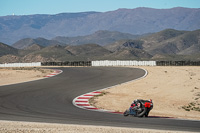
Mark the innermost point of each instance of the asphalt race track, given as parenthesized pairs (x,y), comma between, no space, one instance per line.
(50,100)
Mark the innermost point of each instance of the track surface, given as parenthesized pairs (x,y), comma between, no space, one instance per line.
(50,100)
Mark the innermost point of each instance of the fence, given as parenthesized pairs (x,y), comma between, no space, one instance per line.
(67,63)
(123,63)
(177,63)
(33,64)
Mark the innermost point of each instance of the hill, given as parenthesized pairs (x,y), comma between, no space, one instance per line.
(5,49)
(23,43)
(34,47)
(183,43)
(129,54)
(133,21)
(50,53)
(101,37)
(88,50)
(124,44)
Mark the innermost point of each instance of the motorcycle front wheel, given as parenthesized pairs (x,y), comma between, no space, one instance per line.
(126,113)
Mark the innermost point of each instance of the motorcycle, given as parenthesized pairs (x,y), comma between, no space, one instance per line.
(139,108)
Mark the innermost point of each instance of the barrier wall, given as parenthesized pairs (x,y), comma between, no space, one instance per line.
(123,63)
(105,63)
(33,64)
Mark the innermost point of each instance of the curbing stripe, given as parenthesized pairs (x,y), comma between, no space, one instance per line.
(83,97)
(82,100)
(54,73)
(88,95)
(83,104)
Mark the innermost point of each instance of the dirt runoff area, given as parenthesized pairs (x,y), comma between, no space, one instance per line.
(175,92)
(23,74)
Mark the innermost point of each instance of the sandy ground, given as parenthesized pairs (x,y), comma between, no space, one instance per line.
(31,127)
(18,75)
(172,89)
(169,87)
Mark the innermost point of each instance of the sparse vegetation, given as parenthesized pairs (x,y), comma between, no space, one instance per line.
(195,105)
(192,106)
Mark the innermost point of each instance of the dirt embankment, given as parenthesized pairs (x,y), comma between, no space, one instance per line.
(175,92)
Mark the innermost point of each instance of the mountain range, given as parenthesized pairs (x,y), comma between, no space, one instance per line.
(133,21)
(168,44)
(101,37)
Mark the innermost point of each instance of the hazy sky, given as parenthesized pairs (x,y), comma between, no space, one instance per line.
(27,7)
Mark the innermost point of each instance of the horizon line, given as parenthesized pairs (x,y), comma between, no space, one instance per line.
(13,14)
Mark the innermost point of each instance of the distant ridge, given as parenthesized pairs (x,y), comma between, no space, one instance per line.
(168,44)
(133,21)
(101,37)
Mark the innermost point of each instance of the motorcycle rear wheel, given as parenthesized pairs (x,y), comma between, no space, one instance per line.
(142,113)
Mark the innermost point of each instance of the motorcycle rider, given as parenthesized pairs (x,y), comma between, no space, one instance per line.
(139,108)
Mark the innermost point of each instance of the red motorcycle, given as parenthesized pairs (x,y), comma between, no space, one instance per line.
(139,108)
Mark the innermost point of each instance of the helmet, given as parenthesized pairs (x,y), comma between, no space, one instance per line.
(135,101)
